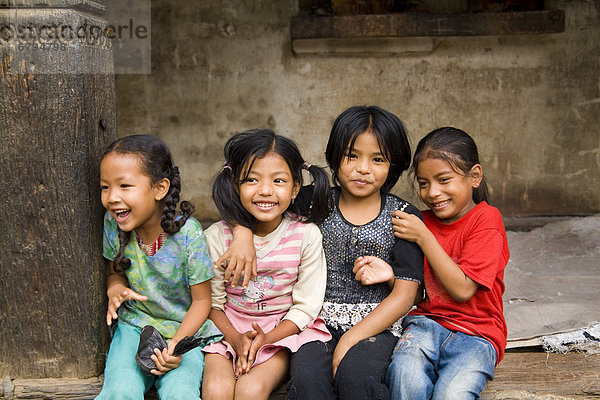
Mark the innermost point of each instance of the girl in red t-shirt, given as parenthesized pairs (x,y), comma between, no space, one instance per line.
(455,337)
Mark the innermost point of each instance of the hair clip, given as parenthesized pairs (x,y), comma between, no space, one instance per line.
(306,165)
(174,170)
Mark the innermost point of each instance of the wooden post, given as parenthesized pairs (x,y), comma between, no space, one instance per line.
(57,114)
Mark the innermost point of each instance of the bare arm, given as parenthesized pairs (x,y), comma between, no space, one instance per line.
(241,255)
(455,281)
(193,320)
(284,329)
(197,313)
(395,305)
(240,341)
(309,290)
(222,322)
(118,291)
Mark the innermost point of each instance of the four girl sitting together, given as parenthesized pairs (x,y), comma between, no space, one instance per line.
(311,283)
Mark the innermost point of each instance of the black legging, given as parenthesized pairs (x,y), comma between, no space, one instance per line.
(360,375)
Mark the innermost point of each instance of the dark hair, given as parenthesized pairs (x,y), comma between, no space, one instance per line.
(390,133)
(241,151)
(455,147)
(156,163)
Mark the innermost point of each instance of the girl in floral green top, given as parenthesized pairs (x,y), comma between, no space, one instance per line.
(159,271)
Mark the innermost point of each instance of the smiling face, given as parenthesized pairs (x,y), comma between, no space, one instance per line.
(447,193)
(364,170)
(130,196)
(267,192)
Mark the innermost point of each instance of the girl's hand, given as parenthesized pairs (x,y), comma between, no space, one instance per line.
(259,340)
(165,360)
(239,257)
(117,294)
(340,351)
(241,345)
(370,270)
(409,227)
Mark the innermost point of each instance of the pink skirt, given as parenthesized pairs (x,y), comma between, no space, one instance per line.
(316,330)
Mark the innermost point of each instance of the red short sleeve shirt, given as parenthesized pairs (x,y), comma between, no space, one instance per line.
(477,243)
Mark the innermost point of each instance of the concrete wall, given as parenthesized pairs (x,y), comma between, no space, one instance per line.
(532,102)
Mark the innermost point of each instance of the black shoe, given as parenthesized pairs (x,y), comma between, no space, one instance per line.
(151,339)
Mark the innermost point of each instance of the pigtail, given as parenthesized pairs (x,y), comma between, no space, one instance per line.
(227,199)
(121,262)
(321,202)
(187,209)
(168,222)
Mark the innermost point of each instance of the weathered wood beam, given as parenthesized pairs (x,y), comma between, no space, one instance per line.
(570,375)
(416,24)
(57,115)
(526,375)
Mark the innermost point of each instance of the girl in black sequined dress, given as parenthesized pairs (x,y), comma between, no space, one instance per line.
(367,152)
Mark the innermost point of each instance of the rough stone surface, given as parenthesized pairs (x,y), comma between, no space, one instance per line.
(532,102)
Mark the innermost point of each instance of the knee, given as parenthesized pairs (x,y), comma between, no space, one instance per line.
(120,392)
(410,365)
(348,375)
(309,385)
(188,390)
(217,392)
(363,385)
(460,387)
(217,388)
(303,379)
(310,368)
(408,382)
(397,370)
(297,384)
(183,393)
(358,381)
(252,389)
(449,392)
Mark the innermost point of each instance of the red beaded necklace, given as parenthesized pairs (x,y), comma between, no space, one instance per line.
(151,249)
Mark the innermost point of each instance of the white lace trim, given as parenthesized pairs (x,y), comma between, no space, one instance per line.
(345,316)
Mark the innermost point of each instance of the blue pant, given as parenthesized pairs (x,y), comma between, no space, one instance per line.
(432,362)
(124,379)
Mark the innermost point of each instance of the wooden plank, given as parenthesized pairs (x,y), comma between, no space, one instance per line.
(537,375)
(571,375)
(527,375)
(59,389)
(415,24)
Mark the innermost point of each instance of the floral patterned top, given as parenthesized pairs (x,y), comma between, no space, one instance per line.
(165,278)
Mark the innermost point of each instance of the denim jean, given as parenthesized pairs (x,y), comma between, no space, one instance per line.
(359,376)
(124,379)
(432,362)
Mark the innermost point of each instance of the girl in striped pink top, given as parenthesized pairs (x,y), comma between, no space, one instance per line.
(276,312)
